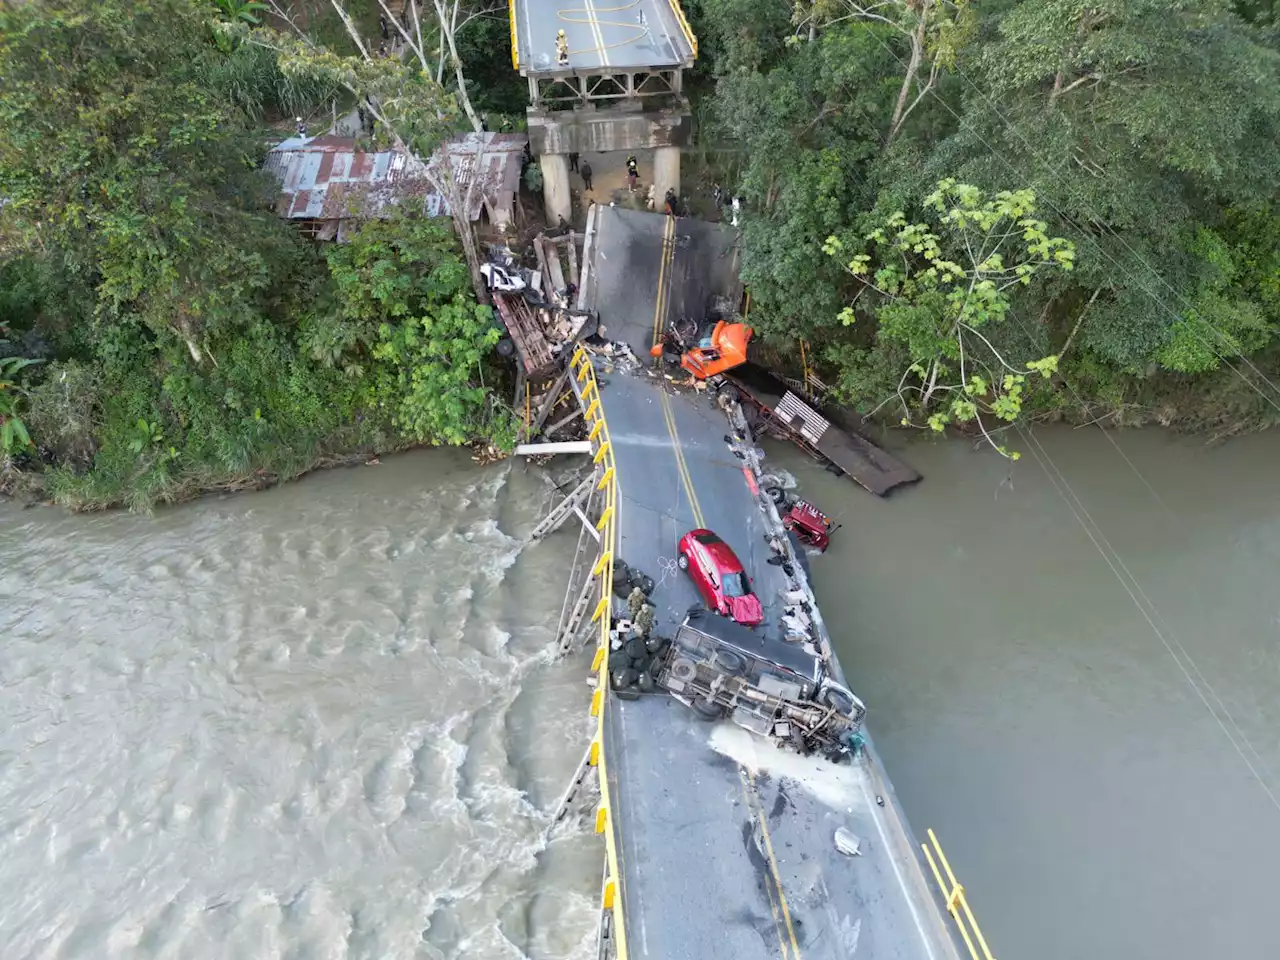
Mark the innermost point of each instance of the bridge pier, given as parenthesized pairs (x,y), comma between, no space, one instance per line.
(555,187)
(666,172)
(622,127)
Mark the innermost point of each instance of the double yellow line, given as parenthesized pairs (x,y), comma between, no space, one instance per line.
(660,305)
(777,906)
(664,278)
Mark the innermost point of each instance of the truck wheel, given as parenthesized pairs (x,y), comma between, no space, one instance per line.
(643,581)
(728,394)
(777,495)
(682,562)
(683,669)
(708,709)
(726,661)
(506,348)
(837,699)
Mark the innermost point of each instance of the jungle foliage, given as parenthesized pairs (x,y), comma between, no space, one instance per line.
(188,339)
(1143,133)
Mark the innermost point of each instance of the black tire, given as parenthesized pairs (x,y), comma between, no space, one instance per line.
(506,348)
(644,582)
(777,495)
(657,645)
(682,562)
(841,701)
(728,394)
(621,572)
(636,649)
(623,678)
(683,669)
(707,709)
(645,683)
(726,661)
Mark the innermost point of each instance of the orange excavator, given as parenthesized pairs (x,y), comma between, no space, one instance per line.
(721,348)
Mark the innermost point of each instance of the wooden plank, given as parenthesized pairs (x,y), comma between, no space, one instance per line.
(543,449)
(542,265)
(573,262)
(553,264)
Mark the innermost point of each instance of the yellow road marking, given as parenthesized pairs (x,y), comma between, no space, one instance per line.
(773,903)
(682,466)
(664,278)
(773,866)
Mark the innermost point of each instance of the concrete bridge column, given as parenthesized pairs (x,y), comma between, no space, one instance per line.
(555,187)
(666,173)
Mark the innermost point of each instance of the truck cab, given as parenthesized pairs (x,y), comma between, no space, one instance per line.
(769,686)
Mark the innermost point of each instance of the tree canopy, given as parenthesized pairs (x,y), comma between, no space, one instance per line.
(1145,130)
(189,337)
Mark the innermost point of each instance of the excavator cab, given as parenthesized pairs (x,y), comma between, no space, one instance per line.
(724,349)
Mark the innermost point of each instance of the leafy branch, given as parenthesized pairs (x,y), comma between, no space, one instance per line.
(940,289)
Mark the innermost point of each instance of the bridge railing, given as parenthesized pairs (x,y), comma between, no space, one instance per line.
(684,27)
(515,46)
(602,454)
(954,897)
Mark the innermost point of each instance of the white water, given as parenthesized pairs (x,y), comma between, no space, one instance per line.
(319,722)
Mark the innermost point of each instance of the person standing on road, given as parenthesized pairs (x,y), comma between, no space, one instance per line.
(562,49)
(633,173)
(573,161)
(586,176)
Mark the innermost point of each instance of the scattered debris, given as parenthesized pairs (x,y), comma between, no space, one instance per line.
(848,842)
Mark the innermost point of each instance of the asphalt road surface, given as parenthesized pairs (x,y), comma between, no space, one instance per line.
(726,843)
(602,34)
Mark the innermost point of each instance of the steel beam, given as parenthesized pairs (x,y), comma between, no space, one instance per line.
(547,449)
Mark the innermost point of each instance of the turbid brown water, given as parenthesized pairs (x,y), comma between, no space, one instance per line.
(318,722)
(1098,748)
(322,722)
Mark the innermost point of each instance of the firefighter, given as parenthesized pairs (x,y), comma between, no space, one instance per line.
(669,203)
(562,48)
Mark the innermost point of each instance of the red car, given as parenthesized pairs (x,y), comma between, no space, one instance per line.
(719,577)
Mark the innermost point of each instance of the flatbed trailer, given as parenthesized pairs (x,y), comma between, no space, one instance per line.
(527,333)
(858,458)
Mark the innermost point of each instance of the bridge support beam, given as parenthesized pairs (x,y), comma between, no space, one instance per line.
(666,172)
(555,187)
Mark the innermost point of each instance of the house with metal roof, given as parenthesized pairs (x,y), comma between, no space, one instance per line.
(328,184)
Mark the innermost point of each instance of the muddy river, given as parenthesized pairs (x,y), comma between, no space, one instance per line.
(322,721)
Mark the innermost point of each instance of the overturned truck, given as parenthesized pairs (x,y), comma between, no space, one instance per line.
(769,686)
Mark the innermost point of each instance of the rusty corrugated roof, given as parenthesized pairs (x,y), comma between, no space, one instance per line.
(328,178)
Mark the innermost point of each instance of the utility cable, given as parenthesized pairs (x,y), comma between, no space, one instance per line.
(641,30)
(1133,596)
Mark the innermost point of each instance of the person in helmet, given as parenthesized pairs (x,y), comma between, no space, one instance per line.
(562,48)
(633,173)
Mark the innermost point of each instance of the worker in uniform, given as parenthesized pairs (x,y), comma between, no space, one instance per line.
(633,173)
(669,203)
(562,48)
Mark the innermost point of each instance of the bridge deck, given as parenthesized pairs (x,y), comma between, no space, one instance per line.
(726,844)
(603,35)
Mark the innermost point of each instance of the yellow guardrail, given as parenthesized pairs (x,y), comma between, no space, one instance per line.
(515,49)
(602,455)
(957,905)
(684,28)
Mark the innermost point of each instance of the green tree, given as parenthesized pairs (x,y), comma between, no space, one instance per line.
(941,291)
(406,313)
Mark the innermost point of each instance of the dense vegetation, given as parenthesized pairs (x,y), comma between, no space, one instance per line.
(186,338)
(970,213)
(1145,133)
